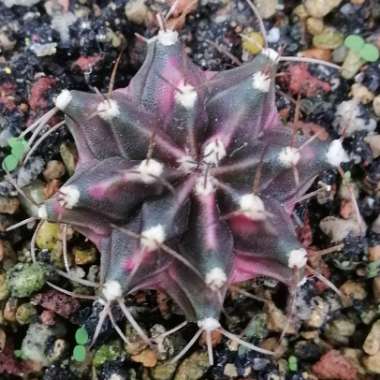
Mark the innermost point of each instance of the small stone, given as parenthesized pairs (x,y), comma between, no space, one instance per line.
(301,12)
(267,8)
(61,22)
(47,317)
(361,93)
(334,366)
(376,289)
(376,105)
(10,309)
(368,314)
(376,225)
(136,11)
(277,320)
(56,352)
(352,291)
(316,53)
(328,39)
(7,254)
(354,356)
(84,256)
(319,312)
(25,313)
(61,304)
(338,228)
(9,205)
(163,371)
(310,335)
(54,170)
(307,350)
(256,327)
(320,8)
(314,25)
(253,42)
(25,279)
(374,143)
(51,188)
(49,237)
(271,344)
(28,173)
(347,209)
(68,155)
(43,50)
(340,330)
(164,346)
(135,344)
(4,291)
(372,343)
(23,3)
(36,341)
(230,370)
(147,358)
(35,192)
(108,352)
(193,367)
(3,339)
(274,35)
(6,44)
(372,363)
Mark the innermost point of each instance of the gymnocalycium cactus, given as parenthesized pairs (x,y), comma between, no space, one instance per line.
(186,182)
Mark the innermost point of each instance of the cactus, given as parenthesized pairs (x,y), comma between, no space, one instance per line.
(186,182)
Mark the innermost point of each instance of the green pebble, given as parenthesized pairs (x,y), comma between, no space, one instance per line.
(293,363)
(49,237)
(257,327)
(373,269)
(329,39)
(10,163)
(79,353)
(25,279)
(163,371)
(194,367)
(370,53)
(84,256)
(354,43)
(25,313)
(81,336)
(108,352)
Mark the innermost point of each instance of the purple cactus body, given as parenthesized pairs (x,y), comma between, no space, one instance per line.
(186,179)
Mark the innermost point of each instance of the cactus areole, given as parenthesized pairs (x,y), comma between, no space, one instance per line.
(186,179)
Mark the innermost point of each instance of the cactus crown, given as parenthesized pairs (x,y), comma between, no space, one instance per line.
(186,181)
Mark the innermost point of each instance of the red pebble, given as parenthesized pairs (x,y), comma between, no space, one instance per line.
(10,365)
(333,365)
(61,304)
(37,97)
(47,317)
(86,63)
(300,81)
